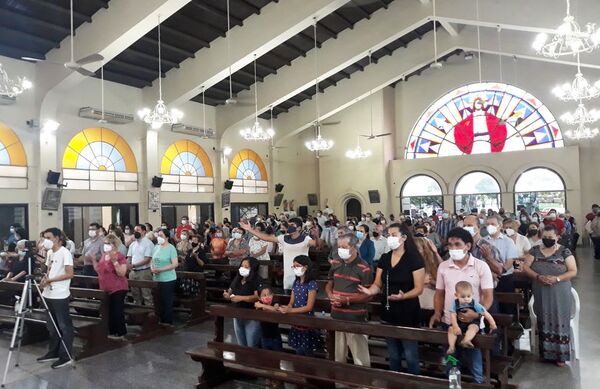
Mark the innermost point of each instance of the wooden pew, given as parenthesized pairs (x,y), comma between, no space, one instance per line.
(90,332)
(217,364)
(195,306)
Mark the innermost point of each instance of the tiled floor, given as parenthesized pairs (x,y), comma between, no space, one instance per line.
(162,363)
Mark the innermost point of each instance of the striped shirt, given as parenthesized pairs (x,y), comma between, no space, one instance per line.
(346,278)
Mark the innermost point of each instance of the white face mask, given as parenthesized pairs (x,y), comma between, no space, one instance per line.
(48,244)
(510,232)
(351,228)
(237,235)
(394,242)
(244,271)
(456,255)
(92,233)
(492,229)
(183,237)
(470,230)
(12,230)
(343,253)
(107,248)
(184,222)
(299,271)
(127,231)
(160,240)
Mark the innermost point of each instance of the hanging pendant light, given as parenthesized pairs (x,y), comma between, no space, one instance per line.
(579,89)
(160,114)
(569,38)
(318,143)
(102,120)
(12,88)
(581,118)
(230,100)
(256,132)
(358,152)
(435,64)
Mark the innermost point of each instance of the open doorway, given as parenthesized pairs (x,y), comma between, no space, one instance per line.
(353,208)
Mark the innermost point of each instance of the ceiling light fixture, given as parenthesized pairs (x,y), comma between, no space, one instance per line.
(580,118)
(318,143)
(569,38)
(579,89)
(160,114)
(12,88)
(435,64)
(256,132)
(358,152)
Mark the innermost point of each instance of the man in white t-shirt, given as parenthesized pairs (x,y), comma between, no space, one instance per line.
(55,284)
(294,243)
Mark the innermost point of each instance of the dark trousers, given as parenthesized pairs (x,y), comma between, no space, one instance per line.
(88,270)
(596,240)
(166,294)
(116,317)
(59,309)
(507,284)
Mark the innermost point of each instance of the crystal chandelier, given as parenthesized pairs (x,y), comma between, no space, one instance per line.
(160,114)
(579,89)
(582,132)
(319,143)
(358,152)
(569,39)
(256,132)
(10,87)
(580,118)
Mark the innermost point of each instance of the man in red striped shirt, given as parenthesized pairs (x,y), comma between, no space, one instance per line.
(345,275)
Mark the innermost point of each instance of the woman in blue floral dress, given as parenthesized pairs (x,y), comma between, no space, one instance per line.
(302,301)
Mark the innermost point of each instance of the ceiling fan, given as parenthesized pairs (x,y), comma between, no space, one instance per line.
(72,64)
(371,135)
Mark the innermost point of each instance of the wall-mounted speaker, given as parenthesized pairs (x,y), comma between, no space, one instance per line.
(53,177)
(228,184)
(278,188)
(303,211)
(312,199)
(157,182)
(374,197)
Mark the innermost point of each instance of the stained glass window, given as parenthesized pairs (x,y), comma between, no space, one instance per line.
(13,161)
(186,167)
(540,190)
(421,194)
(482,118)
(248,173)
(99,159)
(477,190)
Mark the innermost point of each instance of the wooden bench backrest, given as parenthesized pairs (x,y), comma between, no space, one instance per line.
(190,275)
(92,281)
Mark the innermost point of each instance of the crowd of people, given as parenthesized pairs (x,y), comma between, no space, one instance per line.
(448,263)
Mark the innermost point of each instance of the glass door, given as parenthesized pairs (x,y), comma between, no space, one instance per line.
(11,214)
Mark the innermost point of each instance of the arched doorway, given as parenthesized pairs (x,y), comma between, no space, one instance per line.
(353,208)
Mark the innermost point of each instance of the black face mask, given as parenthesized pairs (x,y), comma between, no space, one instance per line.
(419,235)
(194,244)
(548,242)
(375,234)
(137,235)
(532,233)
(291,229)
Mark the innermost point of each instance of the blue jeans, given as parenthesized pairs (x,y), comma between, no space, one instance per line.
(471,358)
(271,344)
(409,348)
(247,332)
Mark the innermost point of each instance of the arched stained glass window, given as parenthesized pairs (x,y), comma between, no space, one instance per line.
(248,173)
(421,194)
(99,159)
(539,190)
(477,190)
(13,161)
(479,118)
(186,167)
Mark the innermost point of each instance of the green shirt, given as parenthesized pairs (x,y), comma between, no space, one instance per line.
(161,257)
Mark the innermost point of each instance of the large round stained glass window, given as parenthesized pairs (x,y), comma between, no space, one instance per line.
(482,118)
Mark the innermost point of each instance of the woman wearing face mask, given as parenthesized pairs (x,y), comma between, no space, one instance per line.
(535,217)
(259,250)
(366,245)
(552,219)
(524,219)
(18,263)
(302,301)
(533,234)
(163,265)
(552,266)
(521,242)
(218,245)
(243,293)
(111,269)
(400,277)
(184,245)
(433,236)
(128,237)
(237,248)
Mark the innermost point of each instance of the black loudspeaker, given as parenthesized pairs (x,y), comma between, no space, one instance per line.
(157,182)
(374,197)
(278,188)
(278,199)
(303,211)
(228,184)
(312,199)
(53,177)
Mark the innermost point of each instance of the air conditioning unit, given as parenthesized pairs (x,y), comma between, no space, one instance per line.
(110,117)
(191,130)
(5,100)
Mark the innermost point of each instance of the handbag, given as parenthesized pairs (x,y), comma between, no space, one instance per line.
(523,342)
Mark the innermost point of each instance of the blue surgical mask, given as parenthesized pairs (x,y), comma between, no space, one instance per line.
(360,234)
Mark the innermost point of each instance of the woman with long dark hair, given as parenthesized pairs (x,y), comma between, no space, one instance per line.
(163,265)
(366,245)
(400,276)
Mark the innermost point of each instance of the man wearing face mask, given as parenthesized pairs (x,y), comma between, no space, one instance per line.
(12,234)
(445,225)
(347,303)
(184,226)
(481,248)
(552,219)
(92,250)
(333,253)
(321,219)
(139,256)
(293,243)
(462,266)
